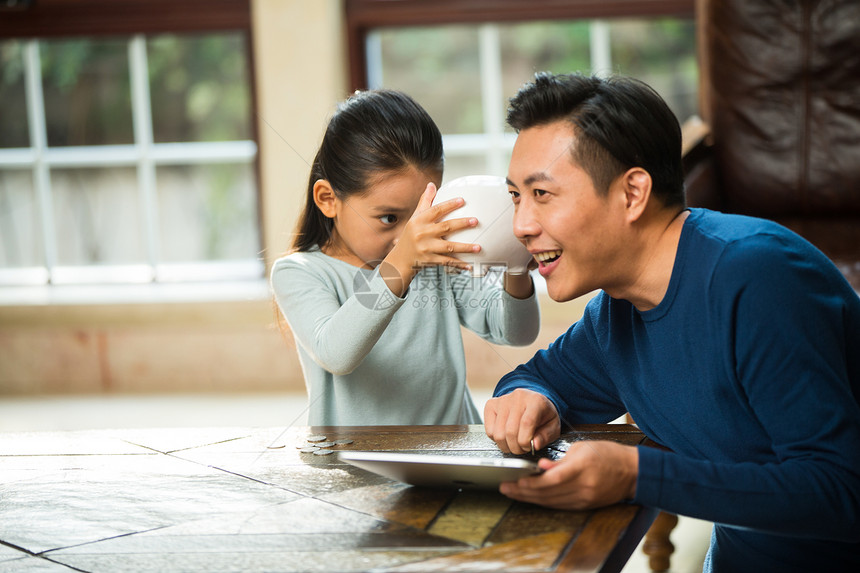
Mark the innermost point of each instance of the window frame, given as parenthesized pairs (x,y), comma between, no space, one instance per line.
(135,19)
(52,18)
(367,20)
(365,15)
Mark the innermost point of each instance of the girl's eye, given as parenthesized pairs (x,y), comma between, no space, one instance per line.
(388,219)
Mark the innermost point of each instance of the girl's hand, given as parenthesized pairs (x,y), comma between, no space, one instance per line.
(422,243)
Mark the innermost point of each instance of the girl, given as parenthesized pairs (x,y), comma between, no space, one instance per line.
(376,317)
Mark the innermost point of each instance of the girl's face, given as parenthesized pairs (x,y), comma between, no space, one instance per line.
(367,225)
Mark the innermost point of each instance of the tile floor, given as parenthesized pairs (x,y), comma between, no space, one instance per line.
(52,413)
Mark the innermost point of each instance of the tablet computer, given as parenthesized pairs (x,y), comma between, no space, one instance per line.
(433,470)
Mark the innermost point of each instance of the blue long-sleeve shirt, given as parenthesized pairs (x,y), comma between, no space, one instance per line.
(749,371)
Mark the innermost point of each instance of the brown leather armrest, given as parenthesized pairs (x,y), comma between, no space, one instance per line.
(701,178)
(694,132)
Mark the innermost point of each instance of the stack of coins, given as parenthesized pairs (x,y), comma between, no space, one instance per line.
(319,446)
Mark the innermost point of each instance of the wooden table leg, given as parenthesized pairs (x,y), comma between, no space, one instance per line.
(657,546)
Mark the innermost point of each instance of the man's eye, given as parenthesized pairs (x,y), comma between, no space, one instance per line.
(514,194)
(388,219)
(539,192)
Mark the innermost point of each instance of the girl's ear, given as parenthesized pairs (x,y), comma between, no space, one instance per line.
(325,198)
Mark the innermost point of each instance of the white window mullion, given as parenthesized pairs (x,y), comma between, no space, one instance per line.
(21,157)
(373,49)
(203,152)
(142,116)
(492,97)
(601,49)
(194,153)
(39,145)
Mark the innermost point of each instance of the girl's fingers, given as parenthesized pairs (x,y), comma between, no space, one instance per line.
(426,198)
(446,255)
(452,247)
(437,233)
(427,233)
(439,210)
(450,225)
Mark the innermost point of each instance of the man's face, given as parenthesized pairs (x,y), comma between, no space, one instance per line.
(572,232)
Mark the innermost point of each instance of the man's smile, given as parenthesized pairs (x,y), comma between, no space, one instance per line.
(546,257)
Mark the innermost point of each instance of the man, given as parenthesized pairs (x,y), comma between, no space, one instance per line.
(730,340)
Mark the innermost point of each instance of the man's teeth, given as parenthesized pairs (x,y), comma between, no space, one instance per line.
(547,256)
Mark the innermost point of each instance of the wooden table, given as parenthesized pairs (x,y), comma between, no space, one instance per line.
(234,499)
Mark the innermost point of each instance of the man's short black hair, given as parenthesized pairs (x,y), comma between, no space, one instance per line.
(618,123)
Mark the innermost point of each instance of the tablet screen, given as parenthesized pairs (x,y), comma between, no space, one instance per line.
(431,470)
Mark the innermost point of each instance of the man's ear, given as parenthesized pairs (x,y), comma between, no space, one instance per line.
(325,198)
(637,191)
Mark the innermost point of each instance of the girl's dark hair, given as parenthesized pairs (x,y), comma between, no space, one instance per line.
(618,123)
(371,134)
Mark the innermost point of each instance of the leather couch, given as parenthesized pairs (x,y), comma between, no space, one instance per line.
(780,95)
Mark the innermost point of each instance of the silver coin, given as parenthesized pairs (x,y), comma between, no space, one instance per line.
(274,447)
(323,452)
(309,450)
(342,442)
(317,438)
(324,444)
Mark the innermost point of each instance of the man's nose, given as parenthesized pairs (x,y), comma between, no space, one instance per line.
(525,223)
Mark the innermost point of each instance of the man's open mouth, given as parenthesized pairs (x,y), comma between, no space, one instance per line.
(546,257)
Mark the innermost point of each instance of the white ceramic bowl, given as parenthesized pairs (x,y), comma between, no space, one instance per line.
(488,200)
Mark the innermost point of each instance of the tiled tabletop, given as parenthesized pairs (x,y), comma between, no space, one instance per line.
(247,499)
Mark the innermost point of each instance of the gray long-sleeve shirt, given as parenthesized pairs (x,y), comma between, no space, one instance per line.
(371,358)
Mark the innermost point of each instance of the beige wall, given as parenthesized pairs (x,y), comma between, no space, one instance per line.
(216,347)
(225,345)
(300,75)
(166,347)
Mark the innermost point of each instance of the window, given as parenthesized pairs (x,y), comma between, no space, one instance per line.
(463,60)
(127,150)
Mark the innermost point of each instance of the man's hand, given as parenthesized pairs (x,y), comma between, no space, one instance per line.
(591,474)
(513,420)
